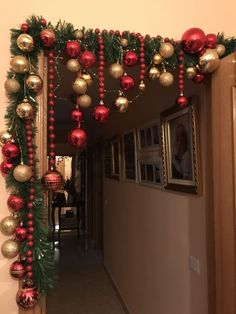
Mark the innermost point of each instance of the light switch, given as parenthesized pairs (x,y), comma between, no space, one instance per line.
(194,264)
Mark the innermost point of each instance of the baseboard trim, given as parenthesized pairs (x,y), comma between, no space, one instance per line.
(124,306)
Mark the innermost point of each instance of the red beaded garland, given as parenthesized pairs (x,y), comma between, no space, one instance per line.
(182,101)
(142,59)
(24,27)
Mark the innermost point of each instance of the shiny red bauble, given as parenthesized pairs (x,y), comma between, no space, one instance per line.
(15,202)
(130,58)
(6,167)
(10,150)
(101,113)
(52,180)
(21,234)
(87,59)
(211,41)
(77,115)
(48,37)
(17,270)
(27,297)
(182,101)
(24,27)
(193,40)
(72,48)
(198,78)
(78,138)
(127,82)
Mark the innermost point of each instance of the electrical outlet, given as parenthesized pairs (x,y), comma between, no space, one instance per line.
(194,264)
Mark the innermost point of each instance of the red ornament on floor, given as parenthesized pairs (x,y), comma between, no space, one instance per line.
(77,138)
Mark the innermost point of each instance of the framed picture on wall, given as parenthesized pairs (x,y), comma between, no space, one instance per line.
(149,136)
(150,169)
(129,155)
(180,146)
(115,158)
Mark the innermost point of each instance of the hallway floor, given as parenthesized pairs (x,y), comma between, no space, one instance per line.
(83,286)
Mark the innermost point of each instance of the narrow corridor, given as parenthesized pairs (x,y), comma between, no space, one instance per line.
(83,286)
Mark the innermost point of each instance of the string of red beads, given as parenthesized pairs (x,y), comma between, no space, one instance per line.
(51,103)
(142,61)
(101,68)
(182,101)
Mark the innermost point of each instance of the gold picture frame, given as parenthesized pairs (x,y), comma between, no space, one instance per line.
(180,148)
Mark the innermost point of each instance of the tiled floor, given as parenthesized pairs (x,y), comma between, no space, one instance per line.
(83,286)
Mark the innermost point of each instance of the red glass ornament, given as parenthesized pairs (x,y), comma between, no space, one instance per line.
(21,234)
(193,40)
(130,58)
(87,59)
(17,270)
(182,101)
(24,27)
(72,48)
(101,113)
(198,78)
(6,167)
(48,37)
(77,115)
(27,297)
(127,82)
(52,180)
(15,203)
(77,138)
(10,150)
(211,41)
(43,22)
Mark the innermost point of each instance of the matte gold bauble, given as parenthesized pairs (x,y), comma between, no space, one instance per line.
(88,78)
(22,173)
(220,49)
(166,50)
(166,79)
(5,137)
(12,86)
(116,70)
(153,73)
(8,225)
(78,34)
(10,248)
(34,82)
(141,86)
(84,101)
(157,58)
(73,65)
(20,64)
(25,42)
(190,72)
(79,86)
(24,110)
(124,42)
(209,61)
(121,104)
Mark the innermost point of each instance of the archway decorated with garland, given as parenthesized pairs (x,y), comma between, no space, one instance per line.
(193,56)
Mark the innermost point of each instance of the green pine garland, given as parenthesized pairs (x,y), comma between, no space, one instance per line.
(43,265)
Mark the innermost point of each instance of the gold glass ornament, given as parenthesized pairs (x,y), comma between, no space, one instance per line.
(141,86)
(84,101)
(190,72)
(8,225)
(166,79)
(124,42)
(166,50)
(24,110)
(20,64)
(157,58)
(116,70)
(25,42)
(22,173)
(153,73)
(220,49)
(12,86)
(79,86)
(121,104)
(78,34)
(209,61)
(5,137)
(10,248)
(73,65)
(34,82)
(88,78)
